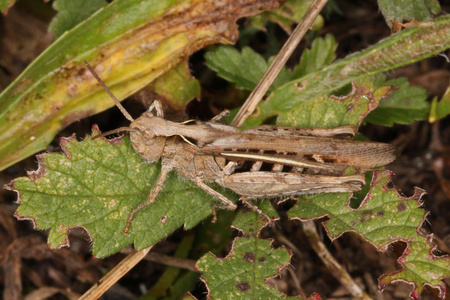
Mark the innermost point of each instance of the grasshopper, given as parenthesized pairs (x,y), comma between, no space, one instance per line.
(267,161)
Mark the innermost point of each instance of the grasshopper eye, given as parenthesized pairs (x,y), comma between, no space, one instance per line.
(148,145)
(148,137)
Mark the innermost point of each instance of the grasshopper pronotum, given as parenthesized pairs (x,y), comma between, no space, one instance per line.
(267,161)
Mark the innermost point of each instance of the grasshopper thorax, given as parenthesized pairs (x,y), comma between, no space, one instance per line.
(146,136)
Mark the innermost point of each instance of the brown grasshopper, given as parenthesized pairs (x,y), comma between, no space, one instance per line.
(267,161)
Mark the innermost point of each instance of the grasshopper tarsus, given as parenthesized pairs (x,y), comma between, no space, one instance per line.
(256,209)
(114,131)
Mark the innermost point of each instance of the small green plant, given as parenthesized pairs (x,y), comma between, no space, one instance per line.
(95,183)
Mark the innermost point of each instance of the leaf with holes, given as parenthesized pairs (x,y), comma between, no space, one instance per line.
(382,218)
(331,111)
(244,68)
(95,184)
(242,274)
(321,54)
(408,46)
(291,12)
(405,105)
(251,261)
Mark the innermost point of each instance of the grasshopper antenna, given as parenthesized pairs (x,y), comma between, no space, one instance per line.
(121,108)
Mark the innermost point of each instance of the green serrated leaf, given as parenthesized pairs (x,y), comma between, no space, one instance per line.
(178,86)
(242,274)
(322,53)
(5,4)
(71,13)
(408,46)
(382,218)
(441,109)
(330,111)
(421,267)
(95,185)
(288,14)
(408,10)
(245,69)
(404,106)
(379,203)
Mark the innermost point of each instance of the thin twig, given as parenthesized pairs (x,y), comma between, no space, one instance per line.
(297,285)
(187,264)
(172,261)
(330,262)
(278,63)
(115,274)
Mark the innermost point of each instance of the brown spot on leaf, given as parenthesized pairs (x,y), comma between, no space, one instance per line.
(350,107)
(380,213)
(261,259)
(367,212)
(401,207)
(365,216)
(243,286)
(249,256)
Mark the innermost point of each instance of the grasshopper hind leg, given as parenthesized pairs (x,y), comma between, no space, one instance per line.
(227,202)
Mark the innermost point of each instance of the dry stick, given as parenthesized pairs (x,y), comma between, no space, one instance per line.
(278,63)
(330,262)
(115,274)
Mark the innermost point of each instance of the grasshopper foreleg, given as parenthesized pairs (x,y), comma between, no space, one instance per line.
(151,198)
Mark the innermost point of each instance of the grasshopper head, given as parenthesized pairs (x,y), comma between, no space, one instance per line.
(146,137)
